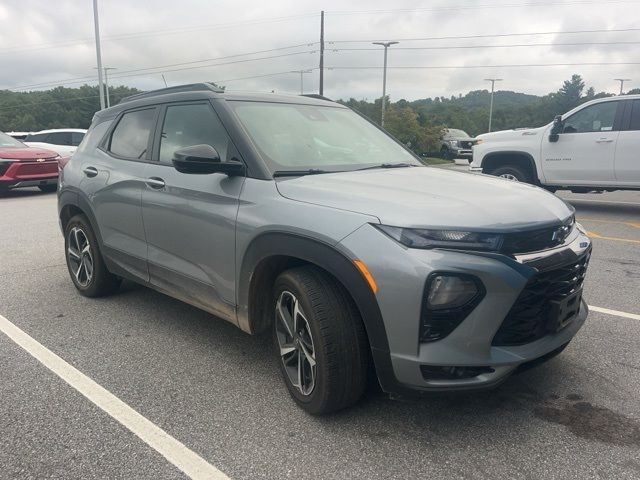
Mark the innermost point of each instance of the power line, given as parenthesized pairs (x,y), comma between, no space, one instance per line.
(495,35)
(458,47)
(168,68)
(441,67)
(163,32)
(477,7)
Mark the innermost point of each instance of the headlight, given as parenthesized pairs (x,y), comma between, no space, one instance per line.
(453,143)
(478,141)
(419,238)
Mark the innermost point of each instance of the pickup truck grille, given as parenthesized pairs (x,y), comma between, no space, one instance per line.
(536,312)
(466,144)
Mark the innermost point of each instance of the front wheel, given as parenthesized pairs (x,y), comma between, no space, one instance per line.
(513,173)
(320,340)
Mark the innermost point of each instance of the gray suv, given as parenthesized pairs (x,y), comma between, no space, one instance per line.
(295,215)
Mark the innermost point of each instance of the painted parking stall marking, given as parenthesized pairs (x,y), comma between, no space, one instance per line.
(174,451)
(616,313)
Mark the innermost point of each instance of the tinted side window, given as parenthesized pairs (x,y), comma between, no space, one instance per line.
(596,118)
(130,138)
(59,138)
(187,125)
(634,124)
(76,138)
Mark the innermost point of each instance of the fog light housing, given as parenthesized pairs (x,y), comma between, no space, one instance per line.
(448,299)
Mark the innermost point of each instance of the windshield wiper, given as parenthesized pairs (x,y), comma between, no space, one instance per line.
(298,173)
(388,165)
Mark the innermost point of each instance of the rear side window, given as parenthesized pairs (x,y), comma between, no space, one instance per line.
(130,138)
(76,138)
(36,137)
(634,123)
(59,138)
(188,125)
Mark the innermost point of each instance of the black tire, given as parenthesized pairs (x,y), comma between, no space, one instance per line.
(513,172)
(338,340)
(101,281)
(48,188)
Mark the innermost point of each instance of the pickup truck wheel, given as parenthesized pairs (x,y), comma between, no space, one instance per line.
(320,339)
(512,172)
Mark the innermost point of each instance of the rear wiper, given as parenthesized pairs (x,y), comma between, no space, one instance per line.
(388,165)
(298,173)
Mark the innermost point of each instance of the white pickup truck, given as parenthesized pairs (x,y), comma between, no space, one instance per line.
(594,147)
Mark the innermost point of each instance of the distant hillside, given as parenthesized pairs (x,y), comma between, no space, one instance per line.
(481,98)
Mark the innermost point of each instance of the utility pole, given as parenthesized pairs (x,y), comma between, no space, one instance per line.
(321,53)
(106,84)
(96,24)
(493,82)
(622,80)
(301,72)
(386,45)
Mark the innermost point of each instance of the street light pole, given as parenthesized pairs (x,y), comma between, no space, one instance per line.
(493,82)
(622,80)
(386,45)
(106,83)
(96,24)
(301,72)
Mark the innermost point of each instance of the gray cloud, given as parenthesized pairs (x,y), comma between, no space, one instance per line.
(45,42)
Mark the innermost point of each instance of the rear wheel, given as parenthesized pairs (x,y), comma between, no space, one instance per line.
(320,339)
(48,188)
(514,173)
(84,260)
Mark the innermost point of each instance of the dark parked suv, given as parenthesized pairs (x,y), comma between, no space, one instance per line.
(297,215)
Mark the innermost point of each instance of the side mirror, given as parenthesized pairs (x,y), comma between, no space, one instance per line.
(556,129)
(204,159)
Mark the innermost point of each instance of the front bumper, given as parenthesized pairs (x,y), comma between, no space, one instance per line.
(29,174)
(462,153)
(401,274)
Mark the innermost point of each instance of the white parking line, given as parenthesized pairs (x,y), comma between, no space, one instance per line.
(617,313)
(175,452)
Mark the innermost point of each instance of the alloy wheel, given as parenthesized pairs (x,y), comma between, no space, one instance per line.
(79,256)
(295,343)
(510,176)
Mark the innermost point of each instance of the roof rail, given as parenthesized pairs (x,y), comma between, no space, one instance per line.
(315,95)
(193,87)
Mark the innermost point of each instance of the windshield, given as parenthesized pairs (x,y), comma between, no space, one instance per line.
(7,141)
(454,133)
(300,137)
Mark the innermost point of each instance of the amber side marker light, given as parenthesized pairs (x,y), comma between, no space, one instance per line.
(366,274)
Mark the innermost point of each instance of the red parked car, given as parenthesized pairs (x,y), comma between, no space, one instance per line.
(24,166)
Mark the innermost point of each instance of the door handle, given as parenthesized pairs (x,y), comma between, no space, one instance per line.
(155,182)
(90,171)
(604,140)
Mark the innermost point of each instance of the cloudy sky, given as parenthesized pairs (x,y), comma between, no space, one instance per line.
(256,45)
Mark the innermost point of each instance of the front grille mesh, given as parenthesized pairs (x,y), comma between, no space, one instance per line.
(28,169)
(532,315)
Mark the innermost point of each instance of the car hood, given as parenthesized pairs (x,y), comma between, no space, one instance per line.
(511,134)
(430,197)
(460,139)
(26,153)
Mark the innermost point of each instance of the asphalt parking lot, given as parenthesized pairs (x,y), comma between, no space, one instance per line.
(218,393)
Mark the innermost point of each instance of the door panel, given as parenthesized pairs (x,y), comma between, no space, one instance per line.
(114,181)
(190,222)
(585,151)
(627,162)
